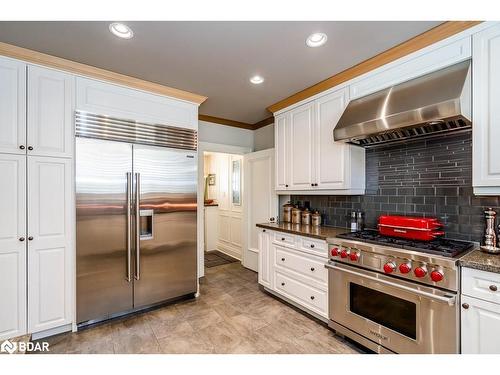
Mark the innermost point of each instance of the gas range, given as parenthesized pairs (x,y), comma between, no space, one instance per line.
(433,262)
(395,295)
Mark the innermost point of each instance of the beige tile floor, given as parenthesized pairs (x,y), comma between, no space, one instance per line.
(232,315)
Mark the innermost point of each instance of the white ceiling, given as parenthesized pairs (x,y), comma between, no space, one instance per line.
(217,59)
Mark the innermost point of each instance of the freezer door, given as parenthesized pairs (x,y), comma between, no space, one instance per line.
(166,255)
(103,289)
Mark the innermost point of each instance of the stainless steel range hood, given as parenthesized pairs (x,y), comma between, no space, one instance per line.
(425,106)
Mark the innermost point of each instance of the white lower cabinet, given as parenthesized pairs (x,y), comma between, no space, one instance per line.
(480,312)
(36,244)
(295,271)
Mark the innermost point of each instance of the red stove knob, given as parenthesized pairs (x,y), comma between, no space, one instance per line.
(344,253)
(420,271)
(334,251)
(436,276)
(405,267)
(389,267)
(354,256)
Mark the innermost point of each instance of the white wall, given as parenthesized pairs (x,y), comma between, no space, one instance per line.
(264,138)
(226,135)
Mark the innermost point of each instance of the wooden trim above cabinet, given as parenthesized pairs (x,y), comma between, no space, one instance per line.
(59,63)
(265,122)
(434,35)
(224,121)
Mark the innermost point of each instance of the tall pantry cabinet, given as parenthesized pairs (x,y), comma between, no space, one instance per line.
(36,199)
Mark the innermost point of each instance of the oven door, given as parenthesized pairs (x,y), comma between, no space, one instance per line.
(401,316)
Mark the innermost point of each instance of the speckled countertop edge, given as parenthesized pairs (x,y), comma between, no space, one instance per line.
(319,232)
(480,260)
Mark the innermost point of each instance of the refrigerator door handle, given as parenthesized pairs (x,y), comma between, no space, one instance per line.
(129,229)
(137,226)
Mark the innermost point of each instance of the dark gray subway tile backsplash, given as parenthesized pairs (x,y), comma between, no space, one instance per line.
(429,178)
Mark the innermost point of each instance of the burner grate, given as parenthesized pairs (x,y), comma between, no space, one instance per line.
(441,246)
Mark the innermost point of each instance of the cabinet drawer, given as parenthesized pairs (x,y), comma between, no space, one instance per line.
(481,284)
(314,269)
(284,238)
(311,298)
(313,246)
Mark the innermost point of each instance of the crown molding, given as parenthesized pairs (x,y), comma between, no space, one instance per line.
(59,63)
(434,35)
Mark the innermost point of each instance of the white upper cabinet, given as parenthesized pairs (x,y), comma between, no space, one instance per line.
(301,145)
(50,239)
(308,159)
(12,106)
(122,102)
(51,97)
(486,111)
(281,136)
(12,245)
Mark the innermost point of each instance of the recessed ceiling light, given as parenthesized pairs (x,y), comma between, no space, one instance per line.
(121,30)
(316,39)
(256,80)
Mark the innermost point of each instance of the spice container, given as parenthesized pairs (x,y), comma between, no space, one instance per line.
(296,213)
(306,217)
(316,219)
(287,212)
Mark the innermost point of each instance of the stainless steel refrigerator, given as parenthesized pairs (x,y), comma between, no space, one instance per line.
(136,215)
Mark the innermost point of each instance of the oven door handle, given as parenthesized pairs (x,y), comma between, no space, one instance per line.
(449,300)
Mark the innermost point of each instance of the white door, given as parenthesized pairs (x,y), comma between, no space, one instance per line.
(50,242)
(301,139)
(260,201)
(329,156)
(51,97)
(480,326)
(12,106)
(281,135)
(486,111)
(12,245)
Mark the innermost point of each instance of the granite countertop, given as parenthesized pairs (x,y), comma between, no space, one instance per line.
(481,261)
(321,232)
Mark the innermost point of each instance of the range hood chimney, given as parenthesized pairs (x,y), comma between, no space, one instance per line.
(426,106)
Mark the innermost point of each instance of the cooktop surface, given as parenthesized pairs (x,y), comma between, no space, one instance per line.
(440,246)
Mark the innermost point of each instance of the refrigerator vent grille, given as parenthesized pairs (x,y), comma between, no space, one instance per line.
(89,125)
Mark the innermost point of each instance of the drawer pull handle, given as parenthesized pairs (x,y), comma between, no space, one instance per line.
(282,259)
(282,284)
(312,246)
(493,288)
(22,147)
(30,148)
(312,269)
(312,297)
(465,305)
(21,239)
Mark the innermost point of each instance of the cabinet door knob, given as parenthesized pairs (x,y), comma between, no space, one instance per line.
(282,284)
(312,297)
(30,148)
(30,238)
(493,288)
(312,269)
(263,230)
(465,305)
(22,147)
(312,184)
(282,259)
(271,219)
(282,238)
(286,185)
(21,239)
(312,246)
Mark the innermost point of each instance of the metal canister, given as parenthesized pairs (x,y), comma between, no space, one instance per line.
(316,219)
(306,217)
(296,213)
(287,212)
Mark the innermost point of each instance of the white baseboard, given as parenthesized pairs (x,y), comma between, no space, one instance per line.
(229,251)
(52,332)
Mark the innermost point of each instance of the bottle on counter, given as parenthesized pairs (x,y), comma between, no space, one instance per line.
(354,221)
(360,220)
